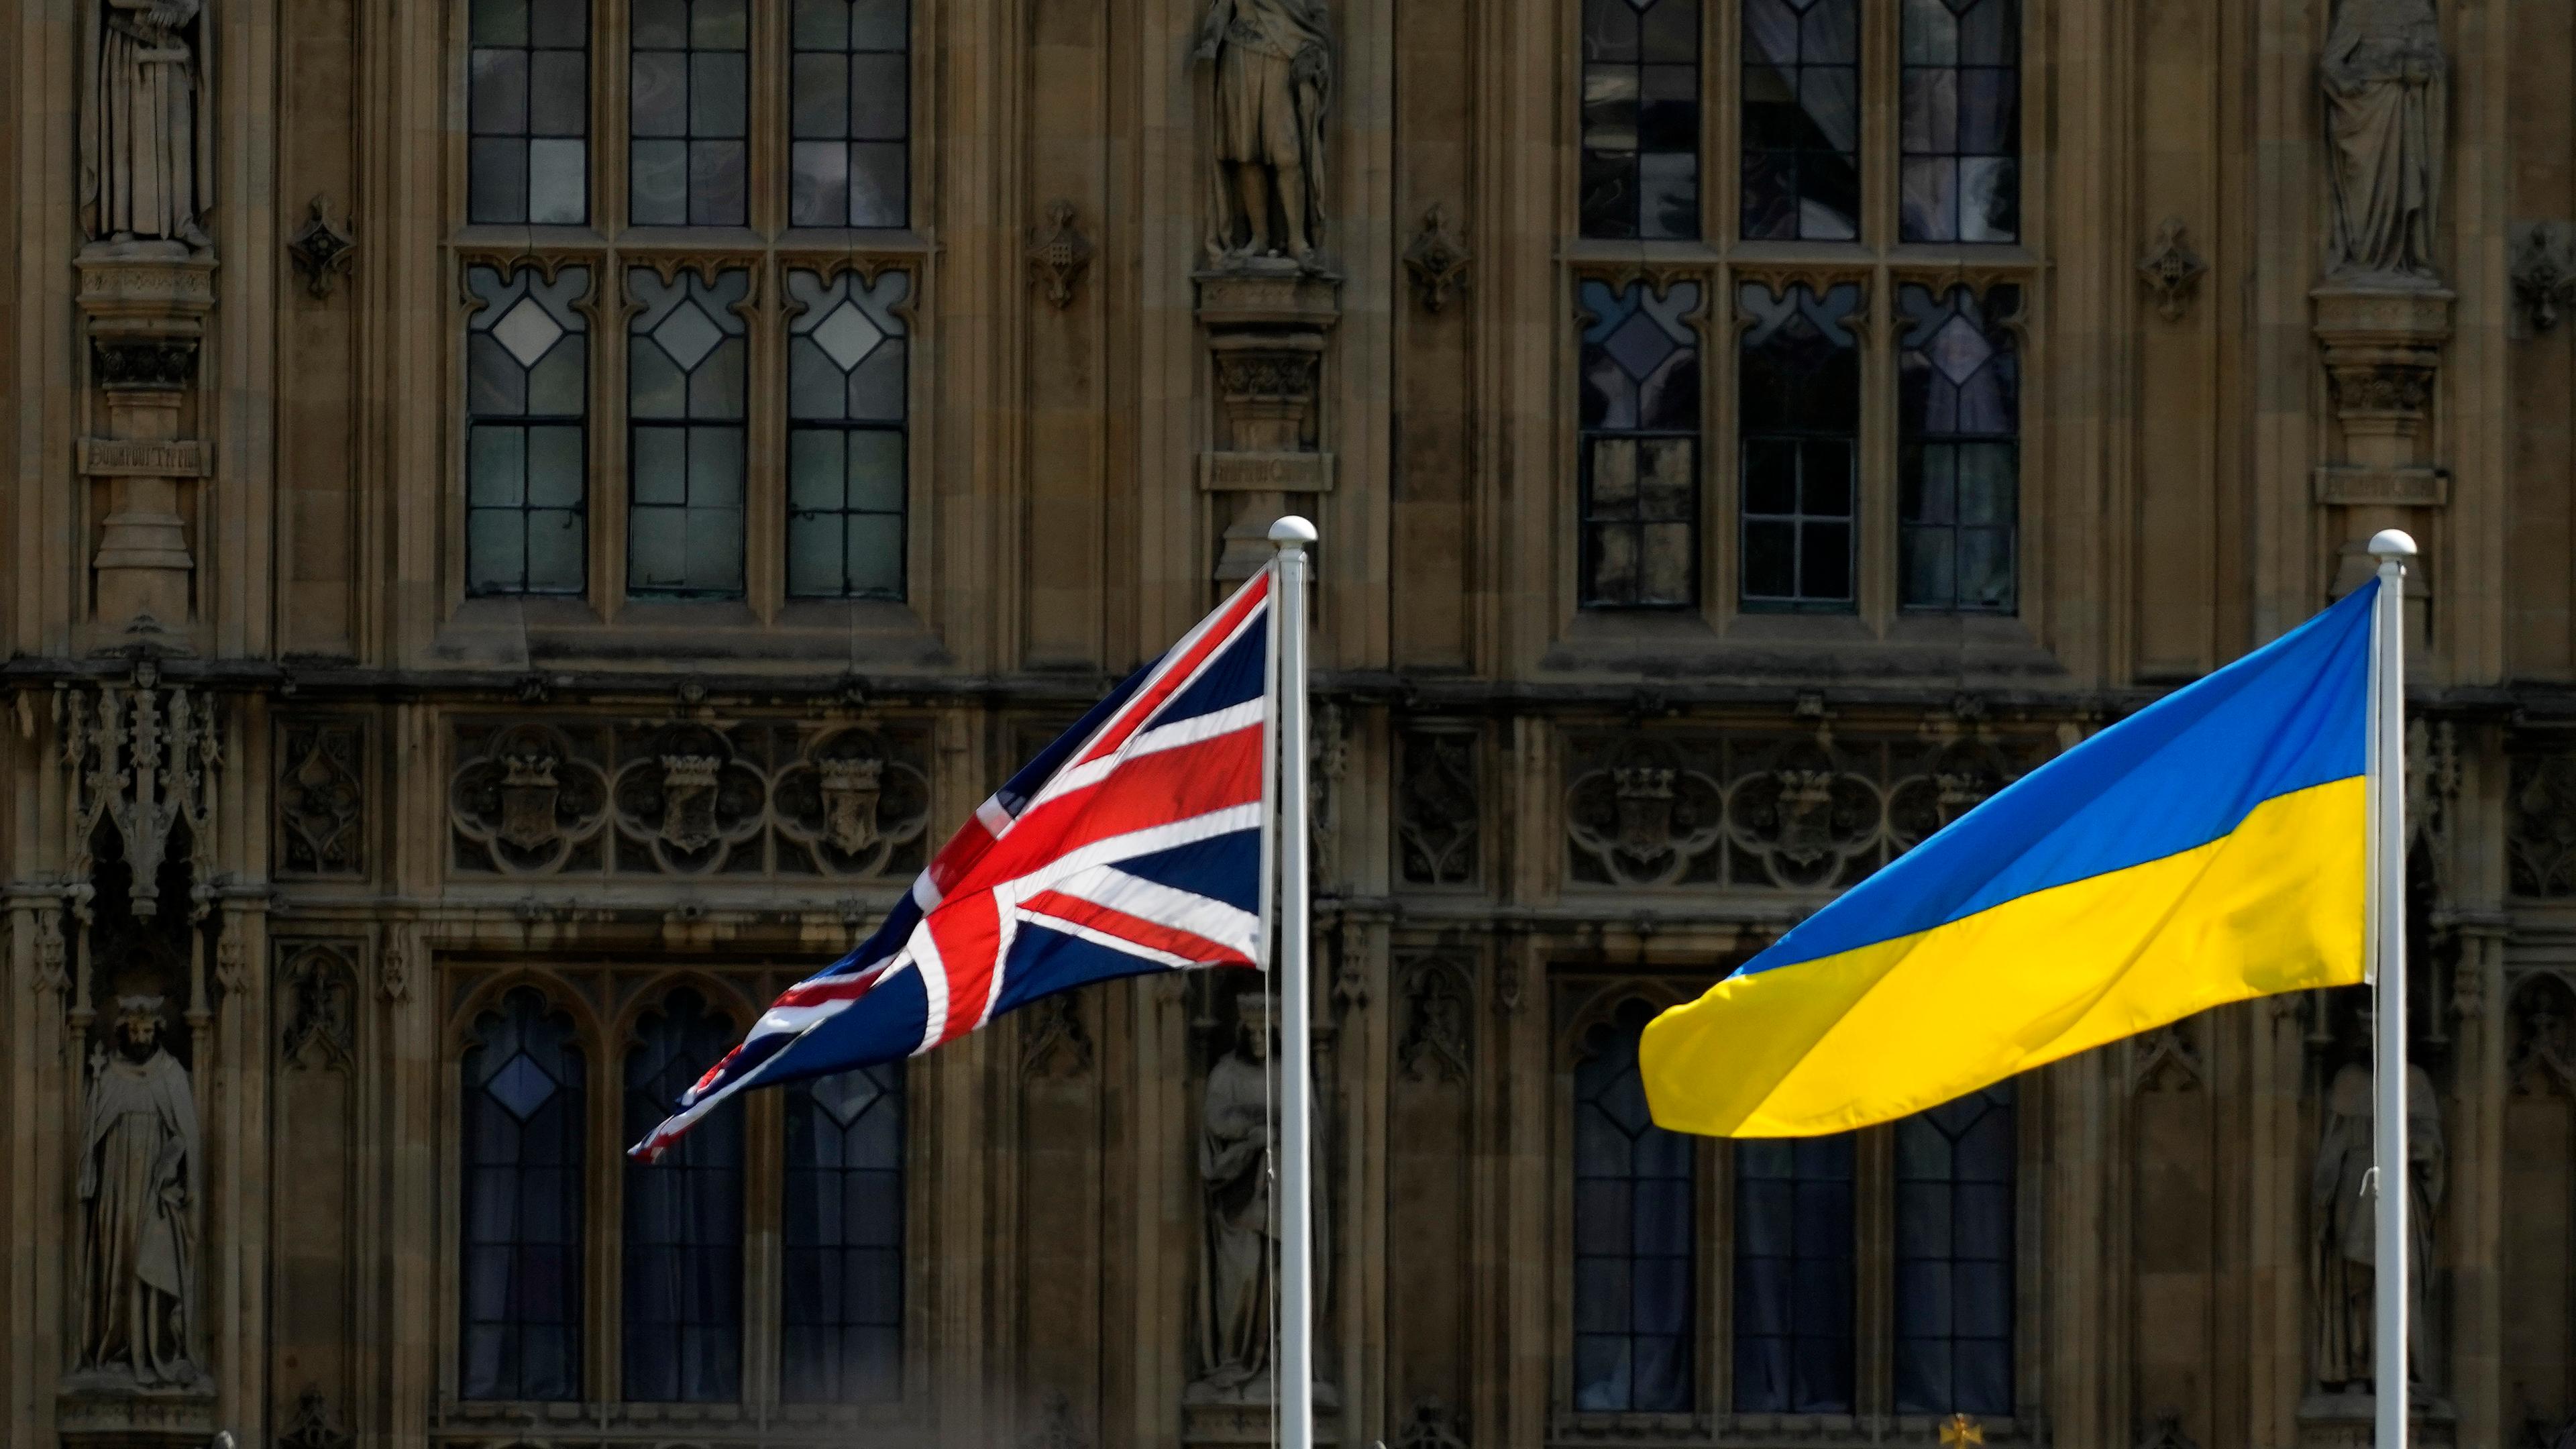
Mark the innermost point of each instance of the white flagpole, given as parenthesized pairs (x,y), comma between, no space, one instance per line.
(2387,935)
(1296,1380)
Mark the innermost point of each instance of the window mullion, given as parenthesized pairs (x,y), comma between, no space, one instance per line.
(608,91)
(1874,491)
(1874,1275)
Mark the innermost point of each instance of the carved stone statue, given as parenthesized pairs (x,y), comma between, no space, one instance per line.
(1236,1286)
(2385,86)
(2342,1246)
(1274,78)
(139,1168)
(146,134)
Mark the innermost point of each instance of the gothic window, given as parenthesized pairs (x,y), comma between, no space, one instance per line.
(1640,441)
(846,360)
(528,110)
(1961,175)
(1793,1276)
(1954,1257)
(683,1231)
(527,380)
(1641,109)
(689,87)
(717,178)
(852,110)
(522,1156)
(1802,119)
(843,1282)
(685,383)
(1958,465)
(1800,419)
(1634,1229)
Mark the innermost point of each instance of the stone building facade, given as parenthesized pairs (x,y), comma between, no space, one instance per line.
(525,519)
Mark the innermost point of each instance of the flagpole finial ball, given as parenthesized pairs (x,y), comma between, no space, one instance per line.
(1292,529)
(2386,543)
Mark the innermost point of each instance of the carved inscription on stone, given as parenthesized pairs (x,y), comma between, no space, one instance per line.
(320,798)
(1791,811)
(689,798)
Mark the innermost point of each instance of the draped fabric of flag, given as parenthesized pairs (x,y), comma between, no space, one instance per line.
(1133,843)
(2210,848)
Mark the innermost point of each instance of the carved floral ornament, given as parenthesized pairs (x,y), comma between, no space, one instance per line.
(1059,254)
(2544,271)
(1788,811)
(689,798)
(2540,829)
(1436,821)
(2172,270)
(1436,995)
(318,989)
(1437,260)
(320,803)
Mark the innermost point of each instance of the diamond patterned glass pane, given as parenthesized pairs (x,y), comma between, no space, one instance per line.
(1958,429)
(1640,454)
(846,412)
(521,1155)
(686,364)
(526,383)
(847,336)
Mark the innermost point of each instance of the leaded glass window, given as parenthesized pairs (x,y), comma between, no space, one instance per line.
(689,83)
(521,1205)
(846,359)
(850,114)
(527,384)
(683,1238)
(1960,179)
(1634,1252)
(528,112)
(1641,77)
(1954,1257)
(1799,418)
(843,1233)
(1793,1276)
(1802,119)
(686,358)
(1640,446)
(1958,462)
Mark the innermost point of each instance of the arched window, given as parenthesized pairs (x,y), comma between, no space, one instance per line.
(683,1238)
(1634,1222)
(522,1161)
(843,1289)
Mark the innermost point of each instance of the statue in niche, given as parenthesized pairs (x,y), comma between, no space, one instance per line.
(1236,1287)
(146,135)
(2343,1246)
(139,1167)
(2386,92)
(1274,78)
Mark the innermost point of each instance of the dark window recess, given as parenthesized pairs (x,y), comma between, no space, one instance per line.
(1799,415)
(683,1239)
(1641,85)
(1958,391)
(1802,119)
(1635,1223)
(1959,177)
(847,351)
(843,1235)
(520,1206)
(1639,443)
(1954,1257)
(1793,1276)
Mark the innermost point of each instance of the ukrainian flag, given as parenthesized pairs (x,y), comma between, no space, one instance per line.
(2207,849)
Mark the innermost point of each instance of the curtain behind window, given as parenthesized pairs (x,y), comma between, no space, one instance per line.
(683,1308)
(522,1112)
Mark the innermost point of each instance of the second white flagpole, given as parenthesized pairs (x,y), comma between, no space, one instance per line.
(1296,1378)
(2387,936)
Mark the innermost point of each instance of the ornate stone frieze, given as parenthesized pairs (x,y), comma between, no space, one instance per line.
(1799,811)
(1438,835)
(1059,254)
(2540,826)
(321,769)
(317,994)
(141,763)
(751,798)
(1436,260)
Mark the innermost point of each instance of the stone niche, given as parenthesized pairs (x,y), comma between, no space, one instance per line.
(1267,323)
(146,305)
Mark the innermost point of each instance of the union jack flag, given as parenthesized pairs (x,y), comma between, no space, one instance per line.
(1133,843)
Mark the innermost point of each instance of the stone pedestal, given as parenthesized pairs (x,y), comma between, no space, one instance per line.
(146,305)
(2382,349)
(110,1414)
(1266,323)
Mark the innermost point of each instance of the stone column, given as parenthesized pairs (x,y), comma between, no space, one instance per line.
(1266,323)
(146,305)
